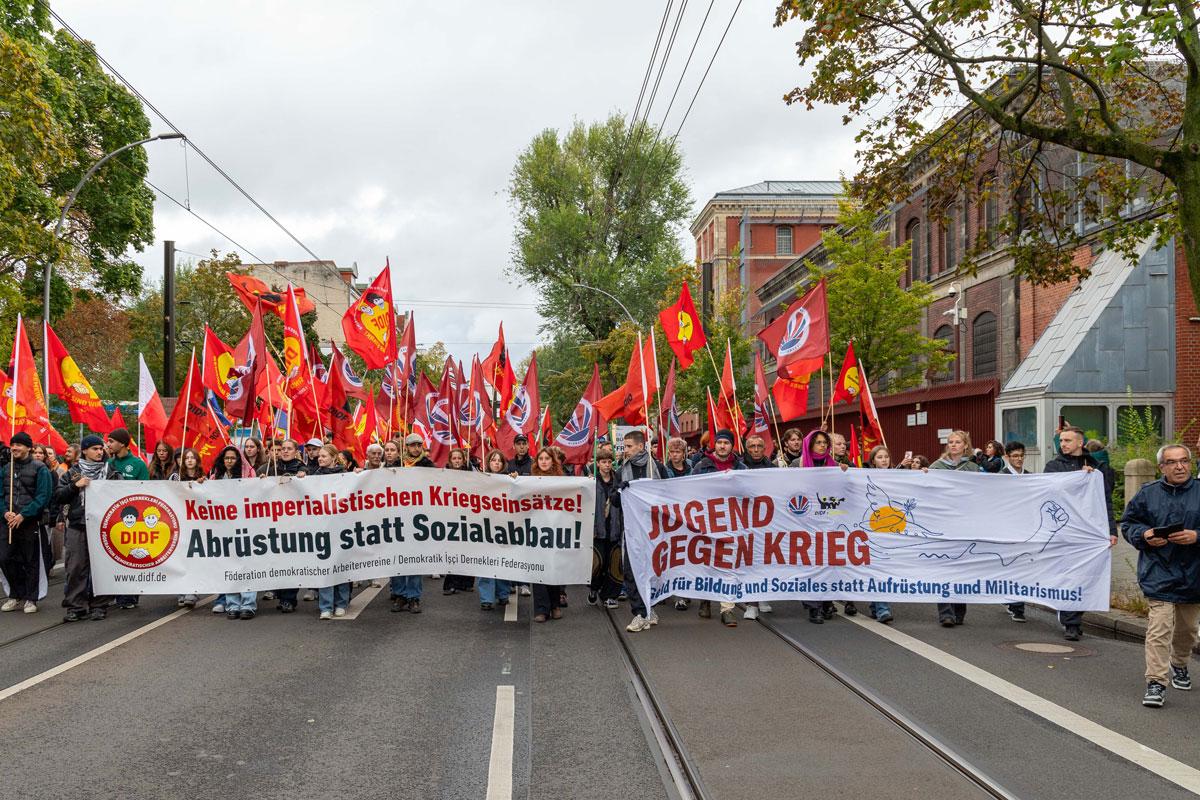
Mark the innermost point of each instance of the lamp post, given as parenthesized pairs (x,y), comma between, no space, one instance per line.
(611,297)
(62,218)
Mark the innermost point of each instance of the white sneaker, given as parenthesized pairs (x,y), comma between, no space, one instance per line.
(751,612)
(30,607)
(638,623)
(309,595)
(653,618)
(325,615)
(525,592)
(375,584)
(10,605)
(339,612)
(764,608)
(269,596)
(218,608)
(435,577)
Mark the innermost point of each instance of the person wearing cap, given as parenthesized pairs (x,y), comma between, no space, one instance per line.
(78,598)
(720,459)
(521,463)
(414,452)
(311,448)
(132,468)
(24,495)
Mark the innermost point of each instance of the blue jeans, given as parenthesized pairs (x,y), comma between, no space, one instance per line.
(880,609)
(243,601)
(492,590)
(406,586)
(330,598)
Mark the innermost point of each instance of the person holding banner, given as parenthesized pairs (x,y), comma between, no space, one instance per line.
(721,459)
(492,591)
(256,455)
(1161,522)
(677,466)
(406,589)
(880,458)
(391,454)
(792,447)
(331,600)
(162,463)
(816,452)
(288,464)
(132,468)
(957,456)
(756,453)
(521,463)
(457,459)
(190,468)
(606,534)
(78,598)
(414,452)
(374,456)
(1014,464)
(547,600)
(26,493)
(228,466)
(636,465)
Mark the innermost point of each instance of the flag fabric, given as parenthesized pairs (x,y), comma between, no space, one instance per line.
(251,290)
(761,424)
(546,434)
(365,424)
(192,424)
(849,379)
(682,325)
(422,403)
(799,339)
(791,396)
(404,373)
(25,405)
(475,421)
(854,451)
(250,362)
(713,422)
(390,407)
(727,404)
(304,414)
(442,415)
(669,423)
(627,400)
(346,380)
(370,322)
(151,415)
(578,435)
(117,420)
(68,384)
(524,410)
(872,430)
(217,373)
(498,371)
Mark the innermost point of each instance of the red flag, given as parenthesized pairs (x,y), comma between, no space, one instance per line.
(799,339)
(546,434)
(304,414)
(251,290)
(681,324)
(853,450)
(442,415)
(422,403)
(347,382)
(271,384)
(218,363)
(475,418)
(370,322)
(849,380)
(627,400)
(118,421)
(727,405)
(365,424)
(791,396)
(524,410)
(26,405)
(192,423)
(578,436)
(404,373)
(668,421)
(761,426)
(68,384)
(151,415)
(712,418)
(498,371)
(872,431)
(250,363)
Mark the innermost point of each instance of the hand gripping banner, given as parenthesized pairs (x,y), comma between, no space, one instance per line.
(890,535)
(254,534)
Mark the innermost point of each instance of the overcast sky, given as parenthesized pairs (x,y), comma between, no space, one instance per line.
(383,129)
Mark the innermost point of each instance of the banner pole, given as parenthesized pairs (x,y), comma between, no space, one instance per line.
(187,396)
(775,422)
(645,401)
(12,417)
(737,409)
(829,358)
(662,434)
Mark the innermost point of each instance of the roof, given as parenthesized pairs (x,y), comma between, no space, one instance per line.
(785,189)
(1078,316)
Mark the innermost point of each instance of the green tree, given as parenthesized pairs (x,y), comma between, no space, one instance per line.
(600,205)
(59,112)
(937,84)
(868,305)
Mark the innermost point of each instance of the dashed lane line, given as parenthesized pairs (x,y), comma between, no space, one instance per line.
(359,602)
(510,610)
(1129,749)
(500,766)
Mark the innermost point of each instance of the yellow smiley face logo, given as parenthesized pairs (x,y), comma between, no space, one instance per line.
(686,328)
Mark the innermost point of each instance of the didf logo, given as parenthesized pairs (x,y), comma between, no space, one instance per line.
(139,531)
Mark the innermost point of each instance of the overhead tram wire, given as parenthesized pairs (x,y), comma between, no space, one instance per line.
(662,65)
(683,72)
(662,26)
(706,71)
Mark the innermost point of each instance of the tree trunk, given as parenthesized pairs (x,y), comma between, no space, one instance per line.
(1187,188)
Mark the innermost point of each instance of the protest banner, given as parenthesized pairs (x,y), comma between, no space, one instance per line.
(889,535)
(254,534)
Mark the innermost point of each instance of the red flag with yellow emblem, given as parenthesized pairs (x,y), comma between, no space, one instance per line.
(849,382)
(68,384)
(681,324)
(370,322)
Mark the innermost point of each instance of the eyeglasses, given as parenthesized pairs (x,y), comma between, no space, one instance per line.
(1177,462)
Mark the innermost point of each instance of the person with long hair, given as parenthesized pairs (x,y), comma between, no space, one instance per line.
(817,451)
(256,455)
(162,463)
(190,467)
(546,599)
(493,591)
(992,458)
(229,466)
(958,457)
(459,460)
(880,458)
(391,454)
(331,600)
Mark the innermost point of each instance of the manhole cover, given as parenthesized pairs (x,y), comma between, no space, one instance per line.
(1045,647)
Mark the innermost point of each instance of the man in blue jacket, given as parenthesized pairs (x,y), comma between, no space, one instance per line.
(1161,522)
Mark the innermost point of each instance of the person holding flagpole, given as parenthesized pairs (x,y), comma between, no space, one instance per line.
(636,464)
(27,489)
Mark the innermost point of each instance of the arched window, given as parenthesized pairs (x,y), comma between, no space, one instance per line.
(950,234)
(946,334)
(783,240)
(989,210)
(917,266)
(983,345)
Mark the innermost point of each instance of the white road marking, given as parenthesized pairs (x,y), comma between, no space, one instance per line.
(1131,750)
(510,610)
(359,602)
(96,652)
(500,766)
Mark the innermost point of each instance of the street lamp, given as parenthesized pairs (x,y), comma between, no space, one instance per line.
(611,297)
(71,201)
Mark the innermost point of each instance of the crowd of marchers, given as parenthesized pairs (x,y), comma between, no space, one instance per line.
(46,495)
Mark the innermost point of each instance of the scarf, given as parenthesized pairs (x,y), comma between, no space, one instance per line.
(722,464)
(93,470)
(807,459)
(641,460)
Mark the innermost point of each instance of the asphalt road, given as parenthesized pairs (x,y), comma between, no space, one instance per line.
(401,705)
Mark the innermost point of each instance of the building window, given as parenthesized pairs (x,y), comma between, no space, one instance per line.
(1134,422)
(1019,425)
(983,345)
(916,263)
(1093,420)
(950,228)
(783,240)
(946,334)
(989,211)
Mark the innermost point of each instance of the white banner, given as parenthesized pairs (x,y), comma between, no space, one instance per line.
(254,534)
(890,535)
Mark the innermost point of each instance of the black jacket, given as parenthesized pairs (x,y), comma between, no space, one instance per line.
(336,469)
(1062,463)
(994,464)
(280,468)
(609,521)
(1170,572)
(69,496)
(705,465)
(424,461)
(671,472)
(763,463)
(521,464)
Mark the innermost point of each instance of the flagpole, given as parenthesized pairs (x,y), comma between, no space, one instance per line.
(12,416)
(737,409)
(646,400)
(829,358)
(775,422)
(187,395)
(658,396)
